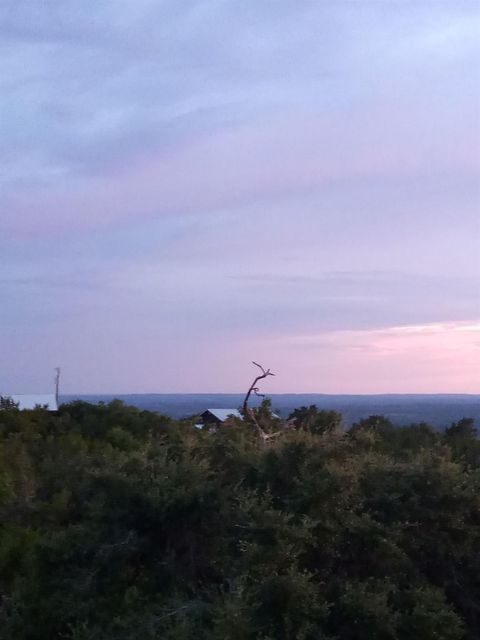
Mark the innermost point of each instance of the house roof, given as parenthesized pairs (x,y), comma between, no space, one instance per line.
(223,414)
(31,400)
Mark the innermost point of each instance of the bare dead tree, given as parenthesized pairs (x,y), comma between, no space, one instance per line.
(249,412)
(253,387)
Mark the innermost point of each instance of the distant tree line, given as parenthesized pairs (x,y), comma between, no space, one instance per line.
(122,524)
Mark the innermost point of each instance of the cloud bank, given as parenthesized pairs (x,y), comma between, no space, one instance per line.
(187,186)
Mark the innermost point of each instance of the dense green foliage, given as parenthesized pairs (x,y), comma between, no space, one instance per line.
(122,524)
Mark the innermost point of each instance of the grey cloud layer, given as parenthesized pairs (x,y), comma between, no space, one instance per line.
(81,88)
(210,173)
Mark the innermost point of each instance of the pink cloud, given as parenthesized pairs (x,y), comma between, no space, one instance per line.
(432,358)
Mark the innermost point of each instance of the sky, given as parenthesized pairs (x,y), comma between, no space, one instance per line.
(189,186)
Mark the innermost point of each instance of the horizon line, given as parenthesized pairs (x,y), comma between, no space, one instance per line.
(284,393)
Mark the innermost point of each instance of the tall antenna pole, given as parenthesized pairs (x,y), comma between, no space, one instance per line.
(57,383)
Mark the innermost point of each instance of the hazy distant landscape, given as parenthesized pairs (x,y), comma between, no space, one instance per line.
(402,409)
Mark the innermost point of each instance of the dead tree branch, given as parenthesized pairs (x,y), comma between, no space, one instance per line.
(249,412)
(253,387)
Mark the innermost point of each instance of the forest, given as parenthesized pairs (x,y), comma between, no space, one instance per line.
(118,523)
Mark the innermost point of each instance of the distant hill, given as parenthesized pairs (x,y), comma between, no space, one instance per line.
(438,410)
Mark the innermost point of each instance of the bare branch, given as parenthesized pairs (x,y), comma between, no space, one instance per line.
(260,367)
(249,413)
(265,373)
(253,387)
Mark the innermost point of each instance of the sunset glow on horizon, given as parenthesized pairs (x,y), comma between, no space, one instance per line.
(187,187)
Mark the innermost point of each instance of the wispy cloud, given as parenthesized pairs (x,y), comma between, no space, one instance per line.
(437,357)
(217,176)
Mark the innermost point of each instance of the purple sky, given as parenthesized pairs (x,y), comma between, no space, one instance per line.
(187,186)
